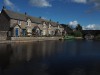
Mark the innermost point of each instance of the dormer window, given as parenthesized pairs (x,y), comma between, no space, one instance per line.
(44,24)
(19,22)
(58,27)
(49,25)
(28,22)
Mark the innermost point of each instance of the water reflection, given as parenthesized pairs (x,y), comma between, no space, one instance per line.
(5,54)
(19,52)
(50,58)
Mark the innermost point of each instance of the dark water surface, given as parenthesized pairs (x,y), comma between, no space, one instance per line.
(50,58)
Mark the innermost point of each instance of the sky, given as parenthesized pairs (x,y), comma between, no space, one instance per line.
(72,12)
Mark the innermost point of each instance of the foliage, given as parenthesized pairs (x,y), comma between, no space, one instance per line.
(97,37)
(69,30)
(77,34)
(79,27)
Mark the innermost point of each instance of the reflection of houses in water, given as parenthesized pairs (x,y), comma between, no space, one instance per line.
(29,52)
(5,55)
(19,52)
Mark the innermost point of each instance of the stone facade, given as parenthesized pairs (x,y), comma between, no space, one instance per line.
(3,35)
(22,25)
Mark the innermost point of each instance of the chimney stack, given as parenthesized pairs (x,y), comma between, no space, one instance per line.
(50,20)
(4,7)
(25,13)
(40,17)
(57,22)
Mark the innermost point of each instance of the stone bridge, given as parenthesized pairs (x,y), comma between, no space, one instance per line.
(90,34)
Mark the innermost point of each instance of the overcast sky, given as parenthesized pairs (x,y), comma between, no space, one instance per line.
(84,12)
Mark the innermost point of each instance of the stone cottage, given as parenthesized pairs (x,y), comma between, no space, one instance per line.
(14,24)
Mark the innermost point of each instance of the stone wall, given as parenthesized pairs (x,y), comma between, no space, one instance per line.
(34,38)
(3,35)
(4,22)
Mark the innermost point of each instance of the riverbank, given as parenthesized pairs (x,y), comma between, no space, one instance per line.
(28,39)
(32,39)
(78,38)
(16,41)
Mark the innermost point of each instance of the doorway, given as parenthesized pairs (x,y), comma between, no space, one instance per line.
(17,32)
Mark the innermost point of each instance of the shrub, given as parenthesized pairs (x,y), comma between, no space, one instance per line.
(77,34)
(97,37)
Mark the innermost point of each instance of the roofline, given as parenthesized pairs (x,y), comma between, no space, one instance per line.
(28,16)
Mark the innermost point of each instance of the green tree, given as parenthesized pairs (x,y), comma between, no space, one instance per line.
(77,34)
(79,27)
(68,29)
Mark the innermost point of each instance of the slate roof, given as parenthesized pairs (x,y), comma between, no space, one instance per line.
(20,16)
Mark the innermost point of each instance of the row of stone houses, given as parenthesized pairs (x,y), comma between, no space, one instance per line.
(14,24)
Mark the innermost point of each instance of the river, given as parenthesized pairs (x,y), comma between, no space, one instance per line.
(76,57)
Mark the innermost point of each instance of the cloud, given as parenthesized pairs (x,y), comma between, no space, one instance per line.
(80,1)
(73,23)
(40,3)
(44,18)
(0,11)
(9,4)
(91,27)
(96,3)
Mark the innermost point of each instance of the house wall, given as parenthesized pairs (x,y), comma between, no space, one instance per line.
(4,22)
(45,30)
(3,35)
(4,25)
(19,30)
(23,24)
(13,22)
(61,30)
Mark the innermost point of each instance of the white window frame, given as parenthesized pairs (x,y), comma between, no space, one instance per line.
(49,25)
(44,25)
(19,22)
(58,27)
(28,22)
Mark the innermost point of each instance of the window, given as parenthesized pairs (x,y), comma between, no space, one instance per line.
(28,22)
(44,25)
(49,25)
(19,22)
(58,27)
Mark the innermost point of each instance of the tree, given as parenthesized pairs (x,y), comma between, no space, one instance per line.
(77,34)
(68,29)
(79,27)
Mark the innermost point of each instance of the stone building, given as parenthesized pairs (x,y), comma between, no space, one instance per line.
(14,24)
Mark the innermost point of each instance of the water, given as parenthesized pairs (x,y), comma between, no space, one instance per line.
(50,58)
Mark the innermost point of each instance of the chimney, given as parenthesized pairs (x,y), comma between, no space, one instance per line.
(50,20)
(4,7)
(40,17)
(25,13)
(57,22)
